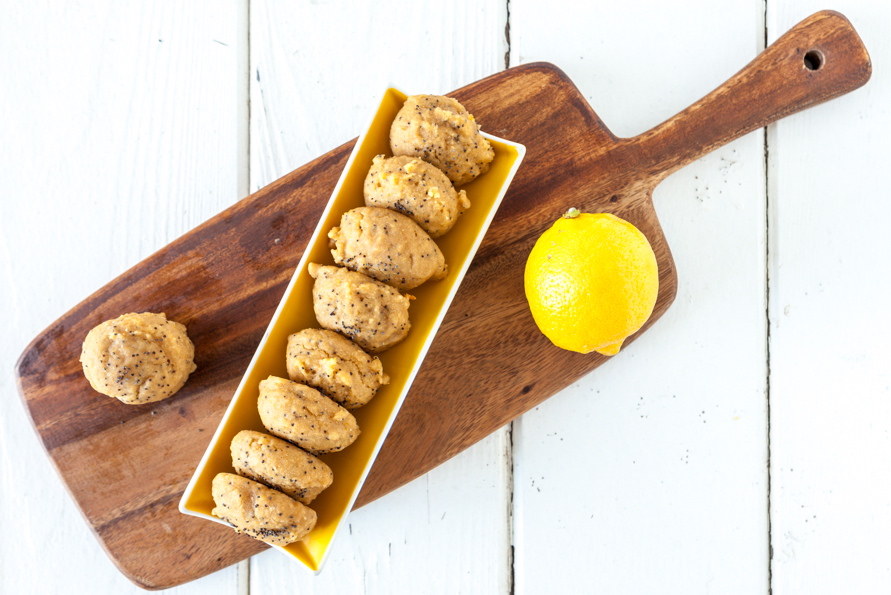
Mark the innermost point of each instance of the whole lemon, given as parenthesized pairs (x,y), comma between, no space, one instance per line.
(591,281)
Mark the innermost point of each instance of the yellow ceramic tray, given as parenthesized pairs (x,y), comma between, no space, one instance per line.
(295,312)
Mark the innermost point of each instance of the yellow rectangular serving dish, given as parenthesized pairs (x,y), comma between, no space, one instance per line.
(295,312)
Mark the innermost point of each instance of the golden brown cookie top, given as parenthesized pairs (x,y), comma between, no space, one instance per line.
(386,246)
(416,189)
(334,365)
(441,131)
(280,465)
(372,314)
(304,416)
(138,358)
(259,511)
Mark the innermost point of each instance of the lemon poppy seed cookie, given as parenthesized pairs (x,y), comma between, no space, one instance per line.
(440,131)
(304,416)
(280,465)
(334,365)
(259,511)
(372,314)
(386,246)
(416,189)
(138,358)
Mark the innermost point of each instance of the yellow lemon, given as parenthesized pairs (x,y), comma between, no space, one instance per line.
(591,281)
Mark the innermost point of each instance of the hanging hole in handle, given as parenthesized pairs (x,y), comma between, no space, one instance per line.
(813,60)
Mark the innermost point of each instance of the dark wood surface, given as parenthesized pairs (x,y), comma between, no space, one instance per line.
(127,466)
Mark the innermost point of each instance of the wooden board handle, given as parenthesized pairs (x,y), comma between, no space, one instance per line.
(820,58)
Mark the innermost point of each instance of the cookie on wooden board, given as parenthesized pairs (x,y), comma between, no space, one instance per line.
(138,357)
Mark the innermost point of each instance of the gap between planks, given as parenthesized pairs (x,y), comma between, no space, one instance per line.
(767,203)
(509,447)
(243,98)
(243,178)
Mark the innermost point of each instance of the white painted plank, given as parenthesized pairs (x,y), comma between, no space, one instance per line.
(119,134)
(830,397)
(318,70)
(649,475)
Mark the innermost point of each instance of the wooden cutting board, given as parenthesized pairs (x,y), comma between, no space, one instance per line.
(127,466)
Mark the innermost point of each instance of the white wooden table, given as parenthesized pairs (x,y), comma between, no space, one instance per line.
(741,446)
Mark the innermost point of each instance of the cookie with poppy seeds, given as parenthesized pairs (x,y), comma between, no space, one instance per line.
(387,246)
(280,465)
(334,365)
(261,512)
(304,416)
(417,189)
(441,131)
(372,314)
(138,357)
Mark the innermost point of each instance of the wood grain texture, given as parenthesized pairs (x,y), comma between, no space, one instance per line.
(224,279)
